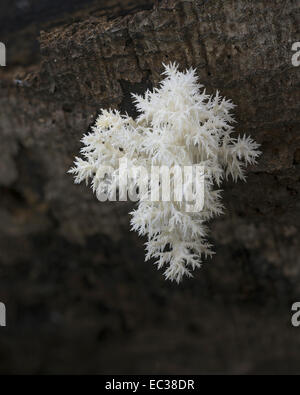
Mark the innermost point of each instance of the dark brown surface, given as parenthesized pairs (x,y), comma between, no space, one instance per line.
(80,298)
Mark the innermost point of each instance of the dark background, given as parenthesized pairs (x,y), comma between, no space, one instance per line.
(79,296)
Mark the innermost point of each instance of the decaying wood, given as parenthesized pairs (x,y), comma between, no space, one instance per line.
(70,267)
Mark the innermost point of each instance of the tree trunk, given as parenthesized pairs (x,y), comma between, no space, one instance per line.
(79,296)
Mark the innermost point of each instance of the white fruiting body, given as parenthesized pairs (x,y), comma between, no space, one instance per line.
(178,125)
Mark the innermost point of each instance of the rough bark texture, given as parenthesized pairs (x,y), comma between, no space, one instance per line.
(79,297)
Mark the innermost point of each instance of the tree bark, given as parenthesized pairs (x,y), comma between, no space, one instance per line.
(71,271)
